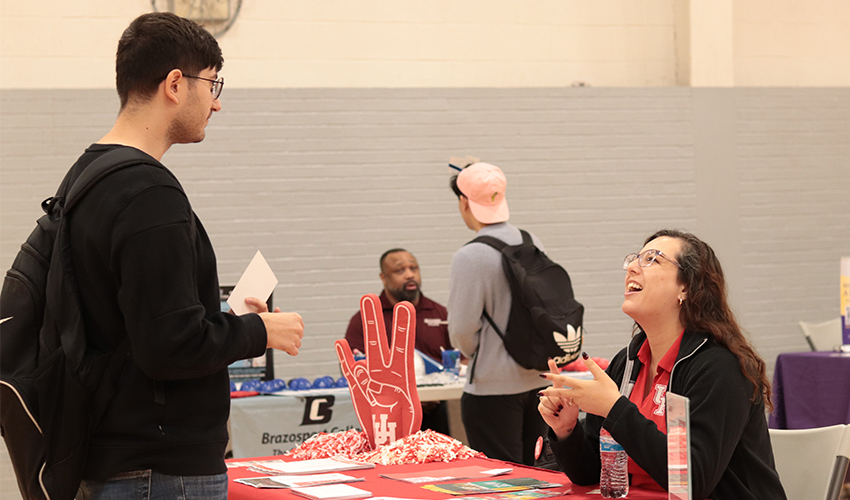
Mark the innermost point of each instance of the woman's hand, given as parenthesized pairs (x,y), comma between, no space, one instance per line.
(561,414)
(595,396)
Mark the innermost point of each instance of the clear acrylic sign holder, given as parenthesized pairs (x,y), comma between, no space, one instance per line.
(678,447)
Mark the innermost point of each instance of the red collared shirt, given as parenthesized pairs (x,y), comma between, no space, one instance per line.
(652,404)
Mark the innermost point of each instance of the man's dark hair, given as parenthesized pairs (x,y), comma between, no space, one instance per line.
(384,256)
(453,185)
(156,43)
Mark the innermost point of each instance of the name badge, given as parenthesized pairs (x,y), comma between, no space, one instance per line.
(435,322)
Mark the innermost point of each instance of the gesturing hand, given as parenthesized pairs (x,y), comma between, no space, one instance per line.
(595,396)
(383,386)
(559,413)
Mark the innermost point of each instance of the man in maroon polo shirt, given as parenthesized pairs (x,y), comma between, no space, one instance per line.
(400,275)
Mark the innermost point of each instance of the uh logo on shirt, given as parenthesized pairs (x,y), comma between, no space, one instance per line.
(659,397)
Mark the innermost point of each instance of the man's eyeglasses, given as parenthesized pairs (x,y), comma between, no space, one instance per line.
(646,258)
(215,88)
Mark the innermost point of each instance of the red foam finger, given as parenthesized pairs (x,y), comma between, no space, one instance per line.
(374,333)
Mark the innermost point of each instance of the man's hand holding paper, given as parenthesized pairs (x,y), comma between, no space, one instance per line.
(284,331)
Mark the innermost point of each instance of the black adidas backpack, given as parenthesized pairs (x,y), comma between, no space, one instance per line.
(545,319)
(53,387)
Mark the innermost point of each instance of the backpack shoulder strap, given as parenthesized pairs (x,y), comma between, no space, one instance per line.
(499,244)
(104,165)
(489,240)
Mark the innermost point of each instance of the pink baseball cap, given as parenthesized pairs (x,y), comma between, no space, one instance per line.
(484,186)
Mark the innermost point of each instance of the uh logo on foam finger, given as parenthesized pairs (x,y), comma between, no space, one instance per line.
(383,385)
(384,432)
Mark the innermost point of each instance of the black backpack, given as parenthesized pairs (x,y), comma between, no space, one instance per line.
(54,388)
(545,319)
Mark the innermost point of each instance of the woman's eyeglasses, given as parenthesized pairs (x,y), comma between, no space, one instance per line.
(646,258)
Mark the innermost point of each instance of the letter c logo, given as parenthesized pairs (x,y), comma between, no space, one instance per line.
(318,410)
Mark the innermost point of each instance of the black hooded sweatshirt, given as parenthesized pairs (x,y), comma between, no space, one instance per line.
(146,268)
(731,455)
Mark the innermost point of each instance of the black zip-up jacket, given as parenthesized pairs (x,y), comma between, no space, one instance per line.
(146,269)
(731,455)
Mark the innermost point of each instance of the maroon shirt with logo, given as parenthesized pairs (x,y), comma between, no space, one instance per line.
(432,330)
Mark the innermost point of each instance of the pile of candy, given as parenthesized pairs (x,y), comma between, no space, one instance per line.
(420,448)
(347,444)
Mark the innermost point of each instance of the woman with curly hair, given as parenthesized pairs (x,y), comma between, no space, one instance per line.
(685,340)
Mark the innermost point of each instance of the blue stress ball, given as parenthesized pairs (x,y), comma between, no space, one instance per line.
(342,382)
(250,385)
(275,385)
(323,383)
(299,384)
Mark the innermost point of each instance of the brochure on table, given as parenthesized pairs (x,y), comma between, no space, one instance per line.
(331,492)
(452,474)
(494,486)
(297,481)
(318,465)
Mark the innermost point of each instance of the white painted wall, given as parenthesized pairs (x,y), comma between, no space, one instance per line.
(712,40)
(453,43)
(792,43)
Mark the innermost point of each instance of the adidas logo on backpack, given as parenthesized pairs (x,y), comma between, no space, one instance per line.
(570,344)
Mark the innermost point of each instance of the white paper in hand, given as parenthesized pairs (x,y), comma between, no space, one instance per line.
(258,280)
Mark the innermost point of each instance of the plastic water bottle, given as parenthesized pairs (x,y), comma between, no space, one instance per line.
(614,477)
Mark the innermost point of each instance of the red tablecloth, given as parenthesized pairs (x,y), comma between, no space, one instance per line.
(380,486)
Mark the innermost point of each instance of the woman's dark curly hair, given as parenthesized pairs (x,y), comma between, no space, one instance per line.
(706,308)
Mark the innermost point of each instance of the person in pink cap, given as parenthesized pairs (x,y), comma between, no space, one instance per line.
(499,401)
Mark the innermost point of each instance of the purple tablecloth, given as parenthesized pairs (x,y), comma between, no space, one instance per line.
(811,389)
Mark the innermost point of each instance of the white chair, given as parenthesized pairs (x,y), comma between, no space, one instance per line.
(811,462)
(842,462)
(822,336)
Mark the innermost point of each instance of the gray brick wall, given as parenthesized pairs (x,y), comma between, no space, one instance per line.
(324,180)
(793,152)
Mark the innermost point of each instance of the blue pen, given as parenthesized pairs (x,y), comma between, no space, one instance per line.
(456,168)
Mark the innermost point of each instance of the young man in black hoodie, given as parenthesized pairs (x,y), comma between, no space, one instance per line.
(146,269)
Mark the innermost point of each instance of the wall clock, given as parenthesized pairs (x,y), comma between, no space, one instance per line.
(217,16)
